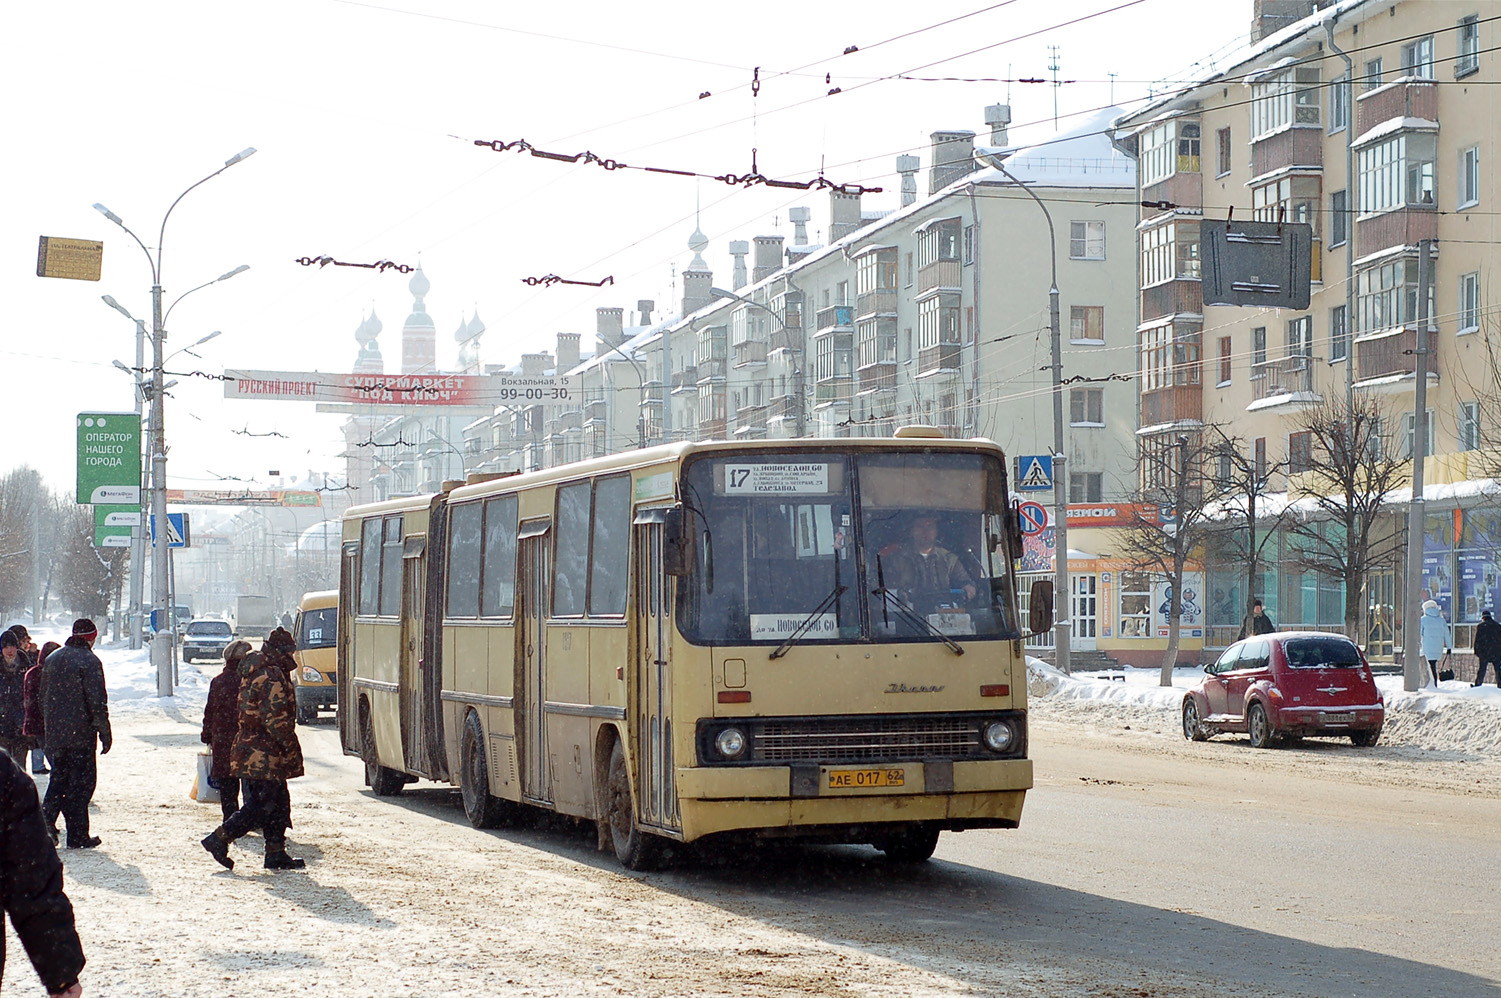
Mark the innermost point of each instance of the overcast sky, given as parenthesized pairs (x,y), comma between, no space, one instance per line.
(364,115)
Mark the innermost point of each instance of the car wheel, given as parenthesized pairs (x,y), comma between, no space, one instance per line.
(1258,727)
(635,848)
(1366,738)
(482,810)
(307,714)
(383,782)
(911,845)
(1193,727)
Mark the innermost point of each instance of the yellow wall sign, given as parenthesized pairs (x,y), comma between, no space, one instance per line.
(75,259)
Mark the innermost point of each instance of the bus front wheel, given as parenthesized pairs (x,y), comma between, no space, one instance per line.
(482,810)
(635,848)
(383,782)
(911,845)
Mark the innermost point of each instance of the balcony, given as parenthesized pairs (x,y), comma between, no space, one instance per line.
(877,378)
(786,339)
(1180,297)
(750,420)
(836,390)
(941,359)
(596,411)
(939,274)
(685,382)
(710,370)
(836,317)
(1405,99)
(1390,355)
(1402,227)
(1283,377)
(881,301)
(1186,190)
(1289,147)
(713,429)
(1174,404)
(751,353)
(785,408)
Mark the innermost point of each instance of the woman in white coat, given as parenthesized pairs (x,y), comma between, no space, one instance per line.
(1435,635)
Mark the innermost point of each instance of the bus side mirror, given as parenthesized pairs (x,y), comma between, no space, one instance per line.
(677,543)
(1040,614)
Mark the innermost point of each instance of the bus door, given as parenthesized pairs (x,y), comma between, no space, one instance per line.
(344,635)
(653,663)
(413,588)
(531,686)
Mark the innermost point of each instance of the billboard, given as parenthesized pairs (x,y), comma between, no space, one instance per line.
(397,389)
(109,459)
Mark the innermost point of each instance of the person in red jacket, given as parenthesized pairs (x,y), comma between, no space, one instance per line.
(31,693)
(221,719)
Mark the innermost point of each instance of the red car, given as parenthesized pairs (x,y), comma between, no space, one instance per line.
(1284,686)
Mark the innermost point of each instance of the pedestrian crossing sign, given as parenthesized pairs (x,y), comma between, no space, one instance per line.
(1034,472)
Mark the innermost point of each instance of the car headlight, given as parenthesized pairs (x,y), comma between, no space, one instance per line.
(730,743)
(998,736)
(311,675)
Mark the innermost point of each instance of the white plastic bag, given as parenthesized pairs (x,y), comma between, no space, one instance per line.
(204,792)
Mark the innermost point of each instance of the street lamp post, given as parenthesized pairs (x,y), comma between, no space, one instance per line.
(138,532)
(161,644)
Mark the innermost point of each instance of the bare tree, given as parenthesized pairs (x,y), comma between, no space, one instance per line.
(1240,483)
(22,499)
(87,577)
(1172,480)
(1356,472)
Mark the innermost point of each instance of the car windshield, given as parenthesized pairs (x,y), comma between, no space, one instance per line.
(1331,652)
(316,628)
(831,546)
(209,628)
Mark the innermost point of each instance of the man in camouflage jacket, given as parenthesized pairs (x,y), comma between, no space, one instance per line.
(265,755)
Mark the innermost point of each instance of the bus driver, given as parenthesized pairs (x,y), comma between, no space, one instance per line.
(921,566)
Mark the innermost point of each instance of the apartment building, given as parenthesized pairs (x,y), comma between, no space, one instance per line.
(1375,122)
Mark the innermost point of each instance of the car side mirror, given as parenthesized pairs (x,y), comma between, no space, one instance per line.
(1040,612)
(677,543)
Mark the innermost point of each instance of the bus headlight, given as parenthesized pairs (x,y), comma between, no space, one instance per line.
(730,743)
(311,675)
(998,736)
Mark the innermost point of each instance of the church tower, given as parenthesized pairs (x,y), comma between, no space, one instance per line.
(419,337)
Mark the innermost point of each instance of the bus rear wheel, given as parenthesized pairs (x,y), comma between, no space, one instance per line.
(636,849)
(482,810)
(384,782)
(910,845)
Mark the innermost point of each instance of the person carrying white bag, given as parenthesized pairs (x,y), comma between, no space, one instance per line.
(221,720)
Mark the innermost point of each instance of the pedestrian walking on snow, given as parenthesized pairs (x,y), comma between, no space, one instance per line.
(13,698)
(1433,632)
(221,721)
(33,659)
(31,695)
(1487,647)
(31,887)
(265,755)
(75,714)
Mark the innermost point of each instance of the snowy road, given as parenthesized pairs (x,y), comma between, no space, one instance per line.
(1146,866)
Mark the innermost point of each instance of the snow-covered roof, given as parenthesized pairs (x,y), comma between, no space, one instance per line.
(1083,156)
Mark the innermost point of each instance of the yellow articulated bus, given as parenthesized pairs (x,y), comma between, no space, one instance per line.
(812,639)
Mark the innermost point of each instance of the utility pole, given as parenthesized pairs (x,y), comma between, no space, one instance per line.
(138,532)
(1414,672)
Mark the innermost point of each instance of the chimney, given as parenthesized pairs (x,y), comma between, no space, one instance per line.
(998,116)
(908,166)
(608,326)
(644,309)
(568,352)
(1270,16)
(739,249)
(953,157)
(696,284)
(799,217)
(534,364)
(768,257)
(844,214)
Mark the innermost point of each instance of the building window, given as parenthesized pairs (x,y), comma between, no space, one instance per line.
(1225,354)
(1168,252)
(1339,218)
(1339,103)
(1469,177)
(1222,144)
(1258,346)
(1157,161)
(1170,356)
(1259,451)
(1086,241)
(1387,296)
(1469,302)
(842,290)
(938,241)
(1223,470)
(1285,98)
(876,271)
(1086,486)
(1373,74)
(1397,172)
(1375,441)
(969,244)
(1292,199)
(1417,58)
(1469,46)
(1339,334)
(1086,407)
(1299,452)
(910,272)
(1469,426)
(1086,323)
(1188,147)
(1300,338)
(1409,424)
(1136,605)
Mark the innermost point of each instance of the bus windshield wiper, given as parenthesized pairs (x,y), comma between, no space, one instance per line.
(818,611)
(911,616)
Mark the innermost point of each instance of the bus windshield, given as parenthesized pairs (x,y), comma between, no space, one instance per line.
(839,547)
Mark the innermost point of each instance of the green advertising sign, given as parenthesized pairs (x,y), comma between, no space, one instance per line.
(112,525)
(109,458)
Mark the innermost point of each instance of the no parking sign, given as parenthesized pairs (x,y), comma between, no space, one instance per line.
(1034,517)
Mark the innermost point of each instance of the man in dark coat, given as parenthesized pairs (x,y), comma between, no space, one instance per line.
(13,697)
(1487,647)
(75,712)
(32,656)
(221,720)
(1257,623)
(266,754)
(31,887)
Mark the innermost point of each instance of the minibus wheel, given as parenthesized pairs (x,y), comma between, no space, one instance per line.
(482,810)
(635,848)
(910,845)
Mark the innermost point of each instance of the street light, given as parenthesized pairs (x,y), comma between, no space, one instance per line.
(161,645)
(137,532)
